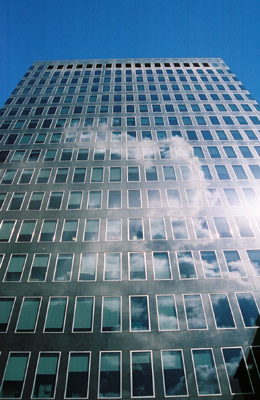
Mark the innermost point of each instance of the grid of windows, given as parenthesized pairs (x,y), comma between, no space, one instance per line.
(130,225)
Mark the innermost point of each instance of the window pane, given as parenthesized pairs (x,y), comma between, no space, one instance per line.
(167,316)
(36,201)
(28,315)
(15,268)
(222,227)
(234,264)
(70,229)
(161,264)
(91,230)
(6,230)
(133,174)
(84,314)
(169,173)
(45,379)
(151,174)
(88,267)
(205,370)
(201,227)
(110,375)
(194,311)
(16,202)
(115,174)
(139,314)
(13,380)
(6,307)
(249,309)
(114,199)
(173,197)
(154,198)
(157,228)
(48,231)
(222,311)
(135,229)
(179,228)
(39,268)
(56,314)
(78,376)
(63,268)
(113,229)
(134,198)
(137,266)
(186,265)
(237,371)
(74,200)
(112,271)
(173,373)
(111,314)
(55,200)
(210,264)
(26,231)
(254,257)
(142,375)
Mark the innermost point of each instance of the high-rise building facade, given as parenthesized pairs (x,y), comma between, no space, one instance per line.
(130,232)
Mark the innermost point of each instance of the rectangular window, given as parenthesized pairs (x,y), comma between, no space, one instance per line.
(55,201)
(194,311)
(157,229)
(114,199)
(139,320)
(179,228)
(6,308)
(234,264)
(137,269)
(61,175)
(55,318)
(135,229)
(94,199)
(174,377)
(173,198)
(201,227)
(154,198)
(222,311)
(151,174)
(15,268)
(206,372)
(254,258)
(249,309)
(186,265)
(142,382)
(70,229)
(133,174)
(8,177)
(237,371)
(167,314)
(48,230)
(91,230)
(6,230)
(115,174)
(210,264)
(14,376)
(112,268)
(97,174)
(16,202)
(63,268)
(88,267)
(46,376)
(74,202)
(83,314)
(39,268)
(36,201)
(134,198)
(43,177)
(113,229)
(161,265)
(222,227)
(111,314)
(28,316)
(77,382)
(243,226)
(169,173)
(109,382)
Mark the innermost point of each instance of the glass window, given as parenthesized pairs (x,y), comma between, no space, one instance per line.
(82,155)
(210,264)
(88,267)
(236,370)
(142,374)
(243,226)
(133,174)
(63,267)
(254,258)
(151,174)
(61,175)
(194,311)
(239,172)
(174,377)
(179,228)
(137,269)
(167,314)
(74,202)
(55,201)
(222,172)
(16,202)
(249,309)
(43,176)
(186,172)
(109,383)
(84,314)
(112,268)
(15,268)
(194,197)
(6,308)
(154,198)
(234,264)
(161,265)
(28,315)
(222,311)
(135,229)
(8,177)
(157,228)
(205,371)
(39,268)
(113,229)
(14,376)
(186,265)
(115,153)
(6,230)
(201,227)
(46,376)
(134,198)
(111,314)
(139,320)
(91,230)
(97,174)
(77,383)
(114,199)
(48,231)
(148,153)
(55,318)
(169,173)
(222,227)
(94,199)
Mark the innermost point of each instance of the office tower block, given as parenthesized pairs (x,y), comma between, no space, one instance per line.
(130,232)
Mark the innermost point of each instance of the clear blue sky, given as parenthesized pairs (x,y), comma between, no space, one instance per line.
(33,30)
